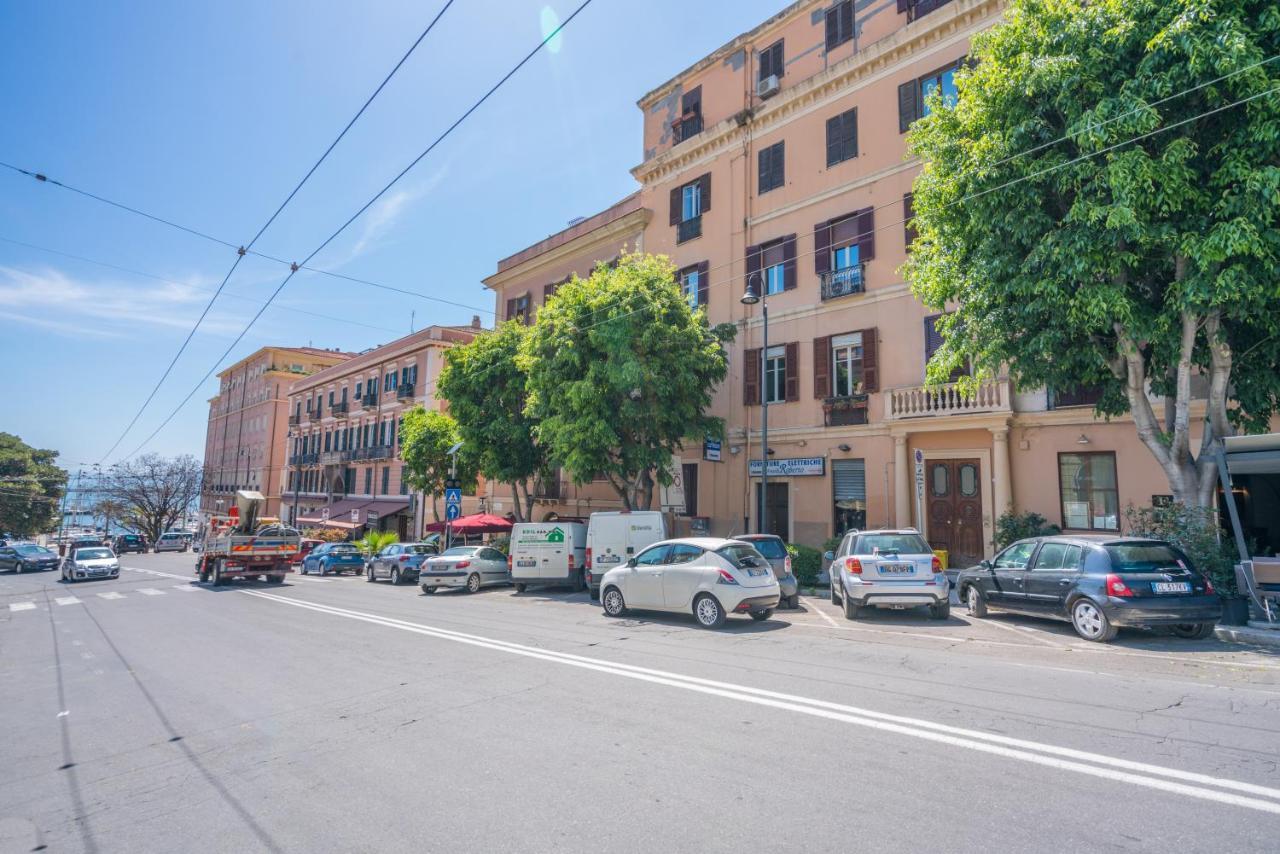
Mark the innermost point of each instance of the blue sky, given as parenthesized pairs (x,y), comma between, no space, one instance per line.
(209,113)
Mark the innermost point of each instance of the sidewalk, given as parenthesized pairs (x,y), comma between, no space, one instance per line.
(1257,633)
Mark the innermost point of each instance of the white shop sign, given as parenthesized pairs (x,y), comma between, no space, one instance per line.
(793,467)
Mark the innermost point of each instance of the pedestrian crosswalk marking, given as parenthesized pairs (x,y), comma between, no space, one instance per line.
(67,600)
(110,596)
(150,591)
(22,606)
(187,587)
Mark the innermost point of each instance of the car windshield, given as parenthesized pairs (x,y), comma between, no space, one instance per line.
(130,538)
(343,549)
(32,550)
(740,555)
(93,554)
(462,551)
(1139,557)
(911,544)
(770,548)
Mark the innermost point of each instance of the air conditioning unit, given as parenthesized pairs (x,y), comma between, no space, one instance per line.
(768,87)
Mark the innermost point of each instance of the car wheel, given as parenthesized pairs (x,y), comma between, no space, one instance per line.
(473,583)
(395,575)
(203,574)
(762,615)
(17,568)
(1090,623)
(614,604)
(275,579)
(940,611)
(368,573)
(218,580)
(707,611)
(975,602)
(832,592)
(521,587)
(795,602)
(324,569)
(1193,631)
(851,609)
(428,590)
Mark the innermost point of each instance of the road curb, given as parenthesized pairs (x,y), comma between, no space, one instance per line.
(1248,635)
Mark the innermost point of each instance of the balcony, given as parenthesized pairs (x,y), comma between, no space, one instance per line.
(947,399)
(369,401)
(294,420)
(339,408)
(377,452)
(843,283)
(845,411)
(547,490)
(304,459)
(331,458)
(405,390)
(689,229)
(687,126)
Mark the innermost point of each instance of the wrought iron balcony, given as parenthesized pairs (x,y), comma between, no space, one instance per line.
(845,411)
(947,399)
(689,229)
(843,283)
(339,408)
(294,420)
(687,126)
(369,400)
(404,390)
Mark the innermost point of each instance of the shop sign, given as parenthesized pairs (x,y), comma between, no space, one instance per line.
(711,451)
(793,467)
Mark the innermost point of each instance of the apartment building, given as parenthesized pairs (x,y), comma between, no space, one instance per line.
(247,435)
(345,425)
(780,160)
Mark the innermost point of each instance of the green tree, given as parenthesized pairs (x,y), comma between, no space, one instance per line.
(620,373)
(426,438)
(30,487)
(375,541)
(154,492)
(486,391)
(1135,254)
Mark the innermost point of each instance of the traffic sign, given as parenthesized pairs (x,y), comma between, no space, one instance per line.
(452,511)
(452,496)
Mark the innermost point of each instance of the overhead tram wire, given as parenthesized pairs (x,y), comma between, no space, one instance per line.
(242,250)
(295,267)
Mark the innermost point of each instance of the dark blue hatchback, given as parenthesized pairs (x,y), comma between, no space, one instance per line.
(1097,583)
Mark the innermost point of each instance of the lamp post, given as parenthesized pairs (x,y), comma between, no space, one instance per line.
(755,294)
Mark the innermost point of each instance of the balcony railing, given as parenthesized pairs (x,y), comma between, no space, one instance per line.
(331,458)
(404,390)
(687,126)
(845,411)
(339,408)
(947,399)
(689,229)
(294,420)
(304,459)
(547,489)
(843,283)
(378,452)
(369,400)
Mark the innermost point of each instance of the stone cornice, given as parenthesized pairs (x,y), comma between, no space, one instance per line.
(632,223)
(950,24)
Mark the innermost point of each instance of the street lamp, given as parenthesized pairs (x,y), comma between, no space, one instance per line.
(752,295)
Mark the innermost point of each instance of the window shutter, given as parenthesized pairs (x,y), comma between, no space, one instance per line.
(753,264)
(675,205)
(511,309)
(866,234)
(793,372)
(763,160)
(932,337)
(705,182)
(704,283)
(822,367)
(846,20)
(779,165)
(789,262)
(908,214)
(851,134)
(870,368)
(908,101)
(822,247)
(834,137)
(751,377)
(833,29)
(902,6)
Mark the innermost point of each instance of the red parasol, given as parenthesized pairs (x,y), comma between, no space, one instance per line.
(480,523)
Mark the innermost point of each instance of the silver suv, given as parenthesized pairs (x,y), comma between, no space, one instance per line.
(888,569)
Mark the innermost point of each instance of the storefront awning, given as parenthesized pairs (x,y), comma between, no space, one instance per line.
(1253,454)
(337,510)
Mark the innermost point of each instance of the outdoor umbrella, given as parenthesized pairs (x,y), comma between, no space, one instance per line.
(480,523)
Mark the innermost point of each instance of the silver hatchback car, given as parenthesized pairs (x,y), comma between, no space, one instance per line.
(471,567)
(888,569)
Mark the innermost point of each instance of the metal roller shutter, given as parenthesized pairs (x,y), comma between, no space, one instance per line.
(850,479)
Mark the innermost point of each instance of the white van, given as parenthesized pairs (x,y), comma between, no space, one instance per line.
(614,536)
(548,553)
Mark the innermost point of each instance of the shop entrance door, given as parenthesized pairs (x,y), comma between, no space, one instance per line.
(954,490)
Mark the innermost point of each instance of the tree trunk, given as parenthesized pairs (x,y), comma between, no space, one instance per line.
(515,501)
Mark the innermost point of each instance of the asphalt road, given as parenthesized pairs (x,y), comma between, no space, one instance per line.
(155,714)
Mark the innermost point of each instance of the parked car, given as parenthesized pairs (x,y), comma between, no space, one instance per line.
(27,557)
(775,551)
(708,577)
(614,536)
(1098,583)
(304,548)
(333,557)
(398,562)
(90,562)
(471,567)
(548,553)
(125,543)
(172,541)
(888,569)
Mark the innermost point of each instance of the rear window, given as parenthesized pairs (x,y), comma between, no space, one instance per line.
(130,538)
(343,549)
(420,550)
(462,551)
(1142,557)
(740,555)
(908,544)
(770,548)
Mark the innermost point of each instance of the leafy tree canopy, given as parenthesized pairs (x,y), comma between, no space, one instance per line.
(153,492)
(620,373)
(30,487)
(425,439)
(1136,253)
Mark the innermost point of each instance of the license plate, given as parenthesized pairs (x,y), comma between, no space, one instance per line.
(609,559)
(1171,586)
(897,569)
(526,563)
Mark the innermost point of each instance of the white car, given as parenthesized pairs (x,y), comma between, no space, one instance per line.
(90,562)
(888,569)
(708,577)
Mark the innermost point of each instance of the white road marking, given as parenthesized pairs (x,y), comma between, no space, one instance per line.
(1173,780)
(67,600)
(161,574)
(63,713)
(22,606)
(187,587)
(1020,631)
(110,595)
(813,607)
(150,591)
(313,580)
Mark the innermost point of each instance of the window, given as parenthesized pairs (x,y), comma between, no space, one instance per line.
(846,364)
(386,479)
(1088,395)
(842,137)
(774,263)
(683,553)
(1016,556)
(327,435)
(913,95)
(1090,496)
(690,202)
(900,544)
(368,481)
(775,375)
(842,247)
(695,284)
(839,24)
(772,174)
(909,232)
(1058,556)
(655,556)
(690,121)
(519,308)
(771,64)
(331,398)
(404,483)
(359,390)
(689,282)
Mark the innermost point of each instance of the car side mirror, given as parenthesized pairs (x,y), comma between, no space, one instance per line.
(828,555)
(986,564)
(631,563)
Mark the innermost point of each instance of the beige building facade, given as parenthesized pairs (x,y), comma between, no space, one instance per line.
(247,434)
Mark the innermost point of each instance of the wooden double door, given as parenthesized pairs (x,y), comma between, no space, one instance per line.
(953,495)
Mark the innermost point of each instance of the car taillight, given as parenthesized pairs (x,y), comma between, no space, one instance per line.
(1208,586)
(1117,587)
(786,565)
(853,566)
(462,564)
(509,563)
(571,560)
(404,558)
(587,564)
(726,578)
(937,564)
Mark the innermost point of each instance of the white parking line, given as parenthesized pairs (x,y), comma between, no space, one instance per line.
(22,606)
(67,600)
(1023,631)
(187,587)
(1191,784)
(813,607)
(150,591)
(110,595)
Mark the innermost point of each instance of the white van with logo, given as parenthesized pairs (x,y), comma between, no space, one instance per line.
(615,536)
(548,553)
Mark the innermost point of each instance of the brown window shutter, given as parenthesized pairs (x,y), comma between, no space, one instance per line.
(908,98)
(789,262)
(902,6)
(675,205)
(822,367)
(705,181)
(870,367)
(753,264)
(704,283)
(511,309)
(822,247)
(792,388)
(846,19)
(751,377)
(866,234)
(908,214)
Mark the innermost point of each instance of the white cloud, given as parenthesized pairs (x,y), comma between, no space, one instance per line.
(383,216)
(73,329)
